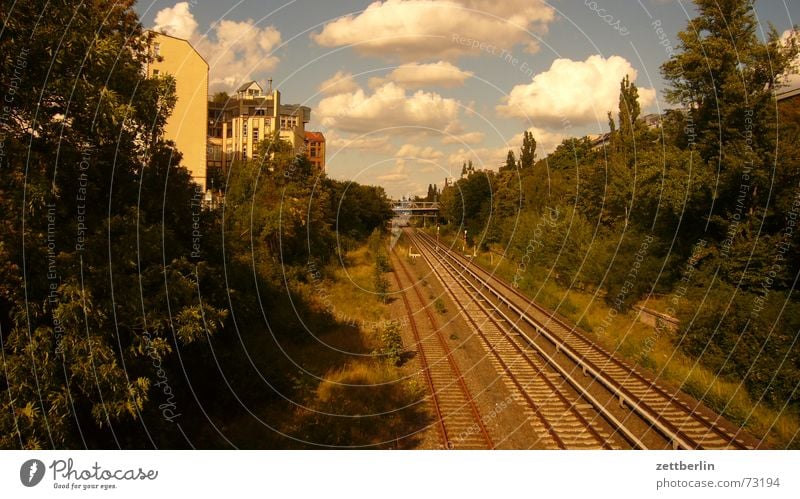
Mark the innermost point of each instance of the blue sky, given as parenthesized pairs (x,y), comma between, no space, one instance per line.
(406,90)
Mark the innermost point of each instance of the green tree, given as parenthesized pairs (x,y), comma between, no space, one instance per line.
(107,211)
(527,155)
(629,109)
(220,98)
(511,162)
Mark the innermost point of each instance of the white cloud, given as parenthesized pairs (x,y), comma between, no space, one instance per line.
(177,21)
(388,106)
(396,175)
(439,74)
(341,82)
(236,51)
(413,151)
(574,92)
(456,134)
(336,142)
(439,29)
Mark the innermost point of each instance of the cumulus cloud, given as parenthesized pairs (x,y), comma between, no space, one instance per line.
(236,51)
(399,173)
(439,29)
(439,74)
(177,21)
(574,92)
(377,143)
(341,82)
(388,106)
(413,151)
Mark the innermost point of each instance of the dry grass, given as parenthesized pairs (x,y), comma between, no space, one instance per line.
(361,400)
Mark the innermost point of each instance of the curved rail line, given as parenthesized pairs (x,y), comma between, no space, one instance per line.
(682,423)
(459,421)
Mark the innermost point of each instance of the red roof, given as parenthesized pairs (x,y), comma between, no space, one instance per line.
(315,137)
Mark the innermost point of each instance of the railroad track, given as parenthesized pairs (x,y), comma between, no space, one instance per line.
(646,415)
(564,417)
(458,420)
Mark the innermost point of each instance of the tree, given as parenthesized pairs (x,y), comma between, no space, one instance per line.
(527,155)
(629,108)
(109,215)
(220,98)
(724,77)
(511,162)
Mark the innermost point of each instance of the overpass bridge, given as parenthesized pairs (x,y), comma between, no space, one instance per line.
(404,211)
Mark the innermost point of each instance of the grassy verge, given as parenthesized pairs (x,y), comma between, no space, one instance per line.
(336,378)
(623,333)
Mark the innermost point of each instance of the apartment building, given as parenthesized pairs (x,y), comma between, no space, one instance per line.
(237,124)
(177,57)
(315,149)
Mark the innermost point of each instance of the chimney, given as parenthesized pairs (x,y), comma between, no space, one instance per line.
(269,86)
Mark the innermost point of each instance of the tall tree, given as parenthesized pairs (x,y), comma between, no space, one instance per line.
(511,162)
(527,155)
(724,76)
(629,110)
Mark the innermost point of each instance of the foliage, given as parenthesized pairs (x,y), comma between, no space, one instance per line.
(527,154)
(632,209)
(109,264)
(392,343)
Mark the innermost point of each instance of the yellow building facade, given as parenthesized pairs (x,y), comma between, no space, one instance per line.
(177,57)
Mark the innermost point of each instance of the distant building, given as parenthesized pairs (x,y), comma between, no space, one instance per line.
(237,125)
(315,149)
(599,141)
(178,58)
(791,90)
(652,120)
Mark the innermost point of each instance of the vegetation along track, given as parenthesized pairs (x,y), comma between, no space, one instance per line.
(641,413)
(458,420)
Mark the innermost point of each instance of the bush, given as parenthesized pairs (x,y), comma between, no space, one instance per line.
(392,343)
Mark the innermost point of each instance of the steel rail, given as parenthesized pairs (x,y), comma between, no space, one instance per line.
(598,406)
(660,423)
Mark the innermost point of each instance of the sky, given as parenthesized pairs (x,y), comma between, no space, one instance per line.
(405,91)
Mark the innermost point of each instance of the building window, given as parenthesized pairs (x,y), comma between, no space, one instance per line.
(157,49)
(244,152)
(244,129)
(214,153)
(255,134)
